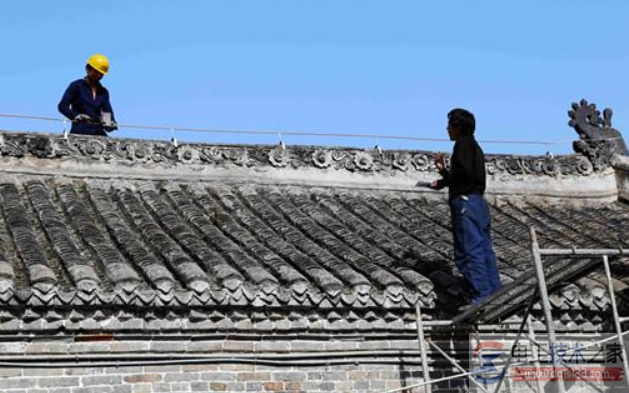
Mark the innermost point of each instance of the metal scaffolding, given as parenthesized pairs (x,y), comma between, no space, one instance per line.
(475,315)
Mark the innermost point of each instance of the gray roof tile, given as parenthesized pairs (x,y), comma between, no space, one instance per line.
(144,249)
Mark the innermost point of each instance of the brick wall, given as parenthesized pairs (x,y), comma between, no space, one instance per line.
(357,375)
(209,378)
(367,373)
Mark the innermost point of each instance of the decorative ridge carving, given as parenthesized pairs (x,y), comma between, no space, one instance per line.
(176,299)
(257,157)
(57,298)
(598,140)
(145,317)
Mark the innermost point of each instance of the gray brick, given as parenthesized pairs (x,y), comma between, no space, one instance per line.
(18,383)
(180,387)
(200,386)
(235,386)
(378,367)
(11,372)
(315,375)
(60,390)
(57,381)
(168,346)
(345,386)
(309,386)
(84,371)
(218,376)
(142,378)
(161,387)
(289,376)
(101,380)
(43,372)
(373,345)
(89,348)
(80,390)
(306,346)
(404,344)
(142,388)
(265,367)
(122,389)
(12,348)
(377,385)
(99,389)
(391,374)
(132,324)
(129,346)
(237,367)
(293,386)
(218,386)
(283,324)
(242,346)
(347,367)
(57,348)
(341,345)
(327,386)
(245,324)
(178,377)
(254,376)
(357,375)
(36,347)
(299,324)
(394,384)
(334,376)
(253,386)
(200,367)
(272,346)
(204,346)
(273,386)
(125,370)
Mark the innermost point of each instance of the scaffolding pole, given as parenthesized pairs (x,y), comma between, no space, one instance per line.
(543,293)
(538,383)
(537,253)
(422,346)
(517,339)
(456,365)
(612,297)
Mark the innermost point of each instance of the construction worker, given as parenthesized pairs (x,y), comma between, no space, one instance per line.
(473,253)
(86,101)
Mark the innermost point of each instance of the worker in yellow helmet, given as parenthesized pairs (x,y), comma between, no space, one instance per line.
(86,101)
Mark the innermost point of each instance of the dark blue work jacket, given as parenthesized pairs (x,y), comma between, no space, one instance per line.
(78,100)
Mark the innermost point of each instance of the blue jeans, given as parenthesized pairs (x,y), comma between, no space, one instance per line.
(473,253)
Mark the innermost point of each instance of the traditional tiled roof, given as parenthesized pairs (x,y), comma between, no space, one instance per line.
(139,232)
(202,238)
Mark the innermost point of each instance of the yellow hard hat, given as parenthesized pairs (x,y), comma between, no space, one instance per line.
(99,63)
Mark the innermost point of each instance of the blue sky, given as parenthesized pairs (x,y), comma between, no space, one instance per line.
(377,67)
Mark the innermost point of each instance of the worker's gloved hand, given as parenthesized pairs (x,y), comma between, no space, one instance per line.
(111,127)
(440,162)
(82,118)
(436,185)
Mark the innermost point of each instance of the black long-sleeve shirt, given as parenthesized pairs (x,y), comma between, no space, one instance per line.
(78,99)
(467,169)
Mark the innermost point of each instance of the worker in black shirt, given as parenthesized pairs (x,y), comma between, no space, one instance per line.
(86,101)
(473,253)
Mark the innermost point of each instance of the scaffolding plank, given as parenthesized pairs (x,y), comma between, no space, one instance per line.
(511,298)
